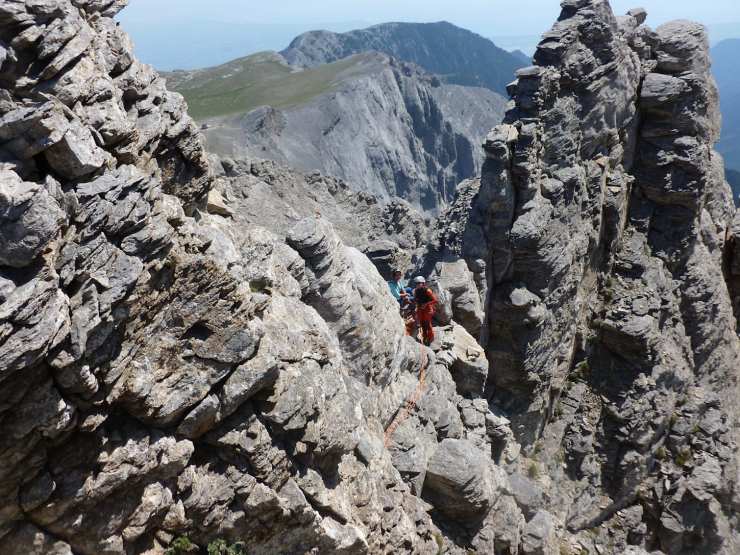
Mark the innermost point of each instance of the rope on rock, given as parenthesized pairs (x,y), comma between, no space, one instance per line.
(411,402)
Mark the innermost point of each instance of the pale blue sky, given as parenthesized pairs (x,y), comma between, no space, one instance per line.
(497,17)
(220,30)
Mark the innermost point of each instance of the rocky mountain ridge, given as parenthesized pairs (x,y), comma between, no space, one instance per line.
(458,56)
(168,372)
(384,126)
(177,363)
(264,193)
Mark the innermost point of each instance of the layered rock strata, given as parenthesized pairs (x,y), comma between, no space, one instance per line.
(171,368)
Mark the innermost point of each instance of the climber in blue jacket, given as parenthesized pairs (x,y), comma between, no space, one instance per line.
(397,286)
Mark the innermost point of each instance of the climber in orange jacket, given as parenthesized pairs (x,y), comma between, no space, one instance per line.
(426,304)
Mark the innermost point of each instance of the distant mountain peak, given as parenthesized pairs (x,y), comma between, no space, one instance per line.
(385,125)
(457,55)
(724,67)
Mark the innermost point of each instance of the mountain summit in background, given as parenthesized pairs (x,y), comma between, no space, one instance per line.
(210,43)
(384,125)
(396,110)
(459,56)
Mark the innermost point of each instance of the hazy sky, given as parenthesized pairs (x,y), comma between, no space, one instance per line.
(488,17)
(220,30)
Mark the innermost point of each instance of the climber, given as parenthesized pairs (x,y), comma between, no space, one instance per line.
(426,303)
(409,294)
(397,287)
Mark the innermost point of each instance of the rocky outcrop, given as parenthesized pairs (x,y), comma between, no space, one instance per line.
(75,99)
(417,139)
(459,481)
(172,368)
(459,297)
(457,55)
(610,332)
(262,192)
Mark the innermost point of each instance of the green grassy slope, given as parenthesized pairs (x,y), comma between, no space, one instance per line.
(257,80)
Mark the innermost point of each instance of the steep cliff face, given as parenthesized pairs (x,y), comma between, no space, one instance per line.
(610,330)
(459,56)
(384,126)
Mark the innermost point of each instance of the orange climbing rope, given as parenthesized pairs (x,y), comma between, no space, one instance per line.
(410,403)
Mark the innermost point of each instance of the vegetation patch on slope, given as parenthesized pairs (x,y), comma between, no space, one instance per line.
(257,80)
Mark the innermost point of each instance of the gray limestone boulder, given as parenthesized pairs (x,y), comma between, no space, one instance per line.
(528,495)
(460,483)
(76,155)
(541,535)
(682,47)
(466,360)
(457,287)
(35,319)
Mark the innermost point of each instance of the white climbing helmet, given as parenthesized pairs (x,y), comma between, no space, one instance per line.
(420,280)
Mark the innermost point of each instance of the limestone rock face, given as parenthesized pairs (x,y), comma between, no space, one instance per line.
(80,98)
(540,535)
(609,250)
(466,359)
(31,218)
(460,294)
(459,481)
